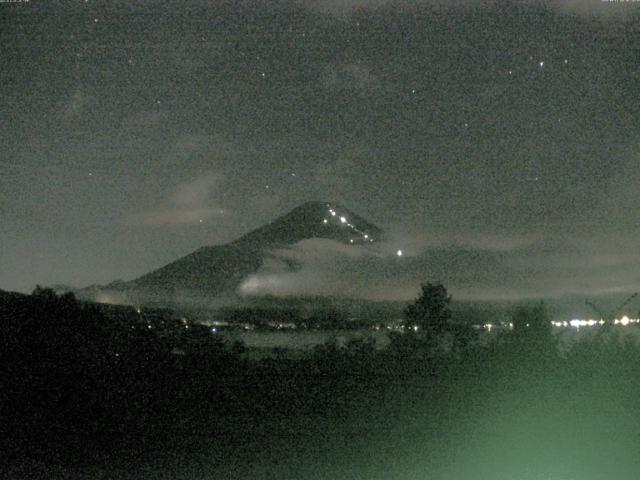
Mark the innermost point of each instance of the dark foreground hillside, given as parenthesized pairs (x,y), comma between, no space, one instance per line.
(84,396)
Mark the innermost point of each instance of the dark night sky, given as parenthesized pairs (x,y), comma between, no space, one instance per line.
(497,142)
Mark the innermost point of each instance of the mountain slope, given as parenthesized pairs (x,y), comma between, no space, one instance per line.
(211,271)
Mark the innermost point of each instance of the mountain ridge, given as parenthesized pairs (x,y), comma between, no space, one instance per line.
(213,270)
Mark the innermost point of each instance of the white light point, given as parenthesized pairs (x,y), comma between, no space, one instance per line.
(541,63)
(366,236)
(343,220)
(333,214)
(325,221)
(399,253)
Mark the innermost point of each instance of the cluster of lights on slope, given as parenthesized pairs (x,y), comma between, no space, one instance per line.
(343,221)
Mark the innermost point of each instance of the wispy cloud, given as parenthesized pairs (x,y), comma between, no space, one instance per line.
(513,270)
(602,8)
(349,77)
(190,204)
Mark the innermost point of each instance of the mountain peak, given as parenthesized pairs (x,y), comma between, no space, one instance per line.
(313,220)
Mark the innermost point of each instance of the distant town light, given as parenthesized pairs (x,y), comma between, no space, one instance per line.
(343,220)
(399,253)
(325,220)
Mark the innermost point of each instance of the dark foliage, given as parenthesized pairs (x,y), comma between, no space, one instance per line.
(79,380)
(431,311)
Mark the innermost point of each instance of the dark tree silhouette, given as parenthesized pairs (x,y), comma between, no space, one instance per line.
(44,293)
(430,311)
(531,321)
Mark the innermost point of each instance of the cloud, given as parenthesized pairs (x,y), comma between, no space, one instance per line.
(541,268)
(601,8)
(174,216)
(78,102)
(190,204)
(195,192)
(349,76)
